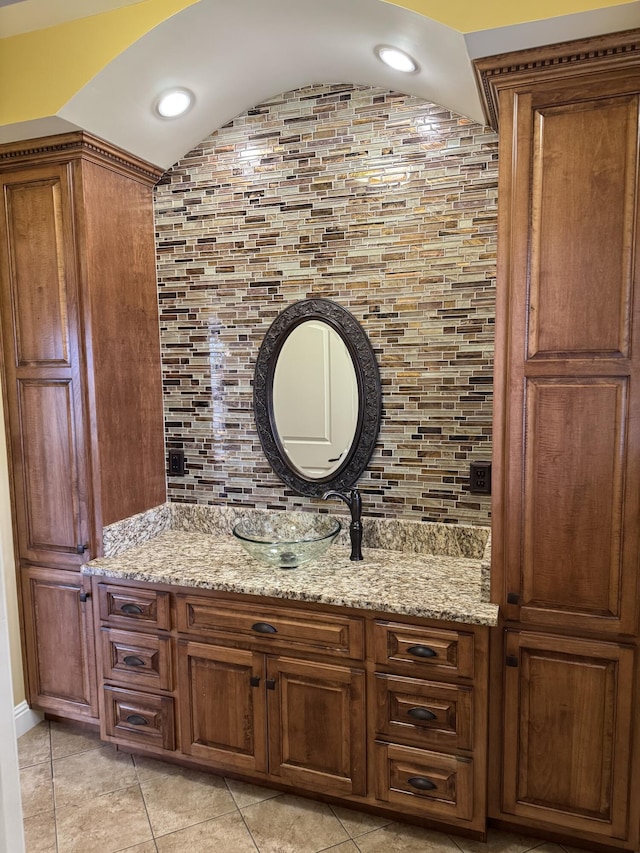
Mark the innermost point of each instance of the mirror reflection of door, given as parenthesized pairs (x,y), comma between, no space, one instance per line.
(315,399)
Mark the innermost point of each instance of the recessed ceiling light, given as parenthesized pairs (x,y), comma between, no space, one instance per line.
(396,59)
(174,103)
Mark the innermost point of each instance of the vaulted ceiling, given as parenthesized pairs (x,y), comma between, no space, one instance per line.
(99,65)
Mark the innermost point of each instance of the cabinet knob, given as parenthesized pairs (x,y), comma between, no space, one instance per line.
(513,598)
(421,714)
(133,660)
(137,720)
(421,783)
(131,608)
(84,596)
(80,549)
(422,651)
(264,628)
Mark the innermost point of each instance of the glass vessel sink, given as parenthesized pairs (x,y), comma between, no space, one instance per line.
(280,540)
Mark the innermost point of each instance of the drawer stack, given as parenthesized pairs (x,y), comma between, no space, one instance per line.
(427,721)
(136,666)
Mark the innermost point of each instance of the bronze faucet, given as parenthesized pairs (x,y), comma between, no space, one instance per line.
(353,500)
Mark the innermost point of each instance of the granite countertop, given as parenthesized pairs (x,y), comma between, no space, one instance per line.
(423,585)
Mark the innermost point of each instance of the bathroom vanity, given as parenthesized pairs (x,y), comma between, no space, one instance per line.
(363,684)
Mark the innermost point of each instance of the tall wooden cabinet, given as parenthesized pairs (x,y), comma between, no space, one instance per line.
(566,529)
(81,385)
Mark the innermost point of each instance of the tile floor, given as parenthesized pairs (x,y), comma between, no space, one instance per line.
(80,796)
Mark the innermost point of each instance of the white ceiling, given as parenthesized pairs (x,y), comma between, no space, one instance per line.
(233,55)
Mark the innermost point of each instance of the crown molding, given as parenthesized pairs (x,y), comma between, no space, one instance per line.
(77,145)
(494,74)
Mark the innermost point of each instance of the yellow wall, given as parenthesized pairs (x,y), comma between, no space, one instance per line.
(42,70)
(469,17)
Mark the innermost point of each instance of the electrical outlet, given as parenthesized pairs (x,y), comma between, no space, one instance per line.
(480,478)
(176,463)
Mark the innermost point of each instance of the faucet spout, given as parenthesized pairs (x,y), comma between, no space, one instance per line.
(353,500)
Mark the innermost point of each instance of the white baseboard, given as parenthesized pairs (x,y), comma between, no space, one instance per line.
(25,718)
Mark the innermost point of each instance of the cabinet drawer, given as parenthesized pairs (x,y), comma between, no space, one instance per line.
(134,608)
(423,650)
(423,713)
(137,659)
(428,783)
(269,627)
(132,717)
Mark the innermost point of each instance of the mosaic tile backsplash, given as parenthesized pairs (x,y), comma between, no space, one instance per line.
(377,200)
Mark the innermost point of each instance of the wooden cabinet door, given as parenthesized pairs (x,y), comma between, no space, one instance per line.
(223,714)
(40,330)
(567,732)
(61,668)
(316,725)
(567,405)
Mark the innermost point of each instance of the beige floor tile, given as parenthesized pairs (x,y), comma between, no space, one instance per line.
(104,824)
(67,739)
(36,789)
(176,802)
(90,774)
(290,824)
(550,847)
(145,847)
(34,746)
(227,833)
(499,842)
(150,768)
(357,823)
(345,847)
(246,795)
(404,838)
(40,833)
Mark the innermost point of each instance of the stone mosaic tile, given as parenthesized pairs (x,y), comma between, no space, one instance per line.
(377,200)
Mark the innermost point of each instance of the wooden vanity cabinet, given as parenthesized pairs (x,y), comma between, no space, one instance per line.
(81,384)
(388,715)
(566,466)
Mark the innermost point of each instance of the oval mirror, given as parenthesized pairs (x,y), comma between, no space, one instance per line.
(317,397)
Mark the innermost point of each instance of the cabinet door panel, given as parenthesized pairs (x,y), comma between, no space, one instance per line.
(585,190)
(52,477)
(317,725)
(42,364)
(59,641)
(37,215)
(576,441)
(223,707)
(567,401)
(567,732)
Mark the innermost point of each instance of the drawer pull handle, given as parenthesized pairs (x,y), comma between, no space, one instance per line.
(133,660)
(131,608)
(422,651)
(419,713)
(264,628)
(84,597)
(137,720)
(421,783)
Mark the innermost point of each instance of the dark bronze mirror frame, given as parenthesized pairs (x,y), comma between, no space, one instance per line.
(369,394)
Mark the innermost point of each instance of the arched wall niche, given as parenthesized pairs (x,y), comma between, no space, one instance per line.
(377,200)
